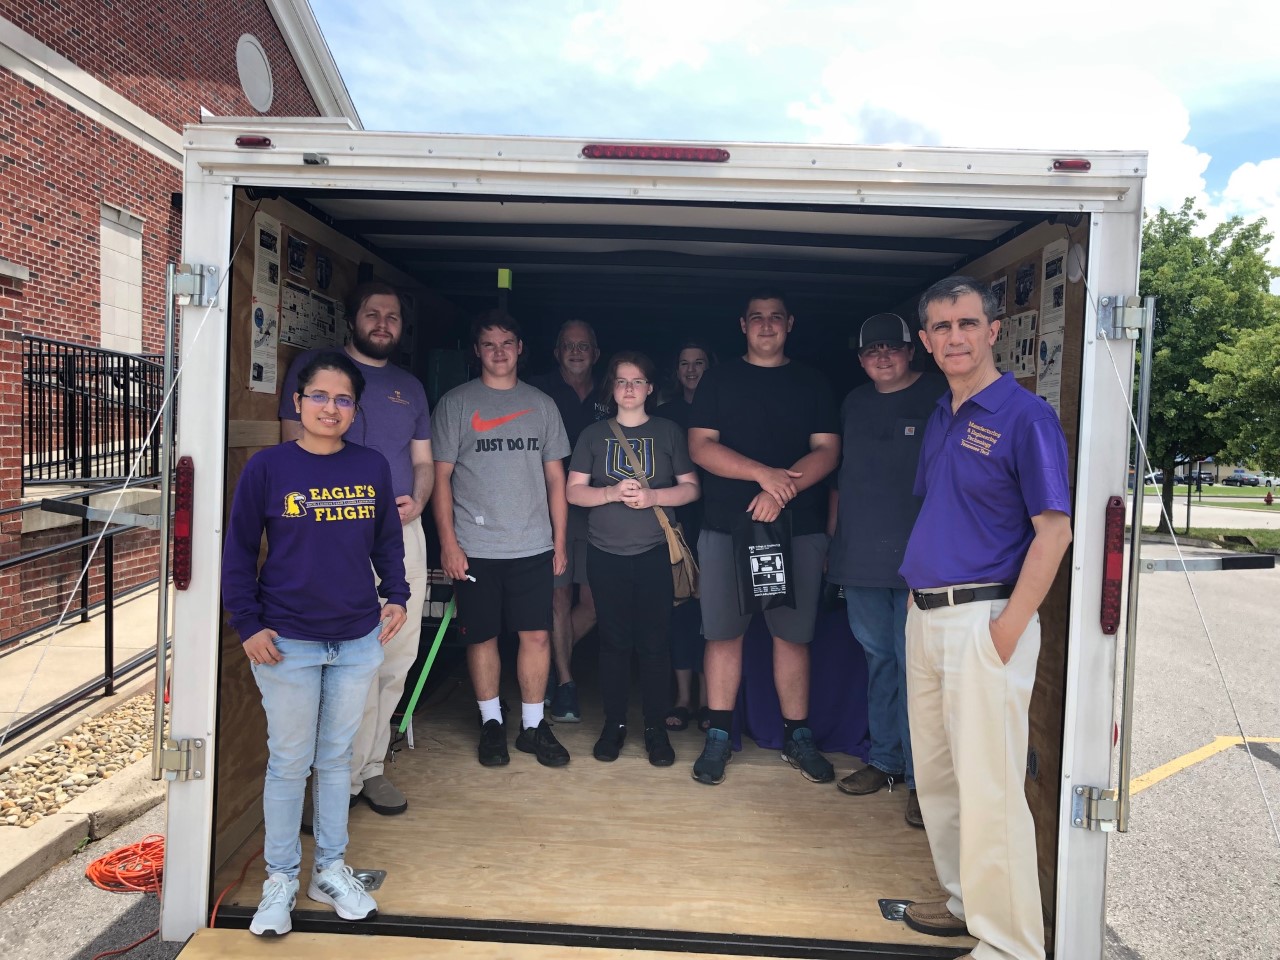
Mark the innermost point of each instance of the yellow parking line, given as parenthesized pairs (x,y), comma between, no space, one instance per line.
(1166,770)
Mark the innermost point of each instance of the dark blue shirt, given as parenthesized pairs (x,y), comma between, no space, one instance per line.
(984,472)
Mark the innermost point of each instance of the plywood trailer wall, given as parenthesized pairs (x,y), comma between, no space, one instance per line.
(328,266)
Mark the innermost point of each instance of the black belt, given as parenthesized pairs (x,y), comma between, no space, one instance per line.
(951,597)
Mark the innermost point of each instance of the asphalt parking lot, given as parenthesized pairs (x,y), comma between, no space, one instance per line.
(1197,875)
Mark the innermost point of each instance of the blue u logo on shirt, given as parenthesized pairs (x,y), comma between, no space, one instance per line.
(616,464)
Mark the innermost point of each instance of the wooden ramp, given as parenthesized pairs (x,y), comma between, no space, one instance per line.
(625,846)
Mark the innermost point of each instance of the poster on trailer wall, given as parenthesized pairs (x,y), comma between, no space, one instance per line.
(264,310)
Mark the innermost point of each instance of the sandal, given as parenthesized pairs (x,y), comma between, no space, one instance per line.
(704,721)
(678,718)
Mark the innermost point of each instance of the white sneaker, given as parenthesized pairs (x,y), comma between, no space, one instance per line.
(337,886)
(278,895)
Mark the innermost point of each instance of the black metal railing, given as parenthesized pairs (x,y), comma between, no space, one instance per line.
(112,673)
(86,413)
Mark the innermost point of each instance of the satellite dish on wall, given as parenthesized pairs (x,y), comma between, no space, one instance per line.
(255,72)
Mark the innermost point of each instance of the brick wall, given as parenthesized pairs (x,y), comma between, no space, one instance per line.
(168,57)
(57,167)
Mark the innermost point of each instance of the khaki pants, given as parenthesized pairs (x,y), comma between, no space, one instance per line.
(374,737)
(968,715)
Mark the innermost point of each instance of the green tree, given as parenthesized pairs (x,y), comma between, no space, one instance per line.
(1211,288)
(1245,389)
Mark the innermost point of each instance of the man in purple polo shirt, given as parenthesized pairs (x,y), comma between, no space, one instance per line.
(394,420)
(992,530)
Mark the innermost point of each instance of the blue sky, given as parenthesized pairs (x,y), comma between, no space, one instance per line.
(1202,94)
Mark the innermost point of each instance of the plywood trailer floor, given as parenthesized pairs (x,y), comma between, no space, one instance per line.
(211,944)
(625,851)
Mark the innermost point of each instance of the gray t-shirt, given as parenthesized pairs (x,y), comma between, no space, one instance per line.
(881,445)
(497,441)
(663,452)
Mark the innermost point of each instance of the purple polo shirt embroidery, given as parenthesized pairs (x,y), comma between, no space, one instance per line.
(984,473)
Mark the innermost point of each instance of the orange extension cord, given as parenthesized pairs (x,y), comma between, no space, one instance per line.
(136,868)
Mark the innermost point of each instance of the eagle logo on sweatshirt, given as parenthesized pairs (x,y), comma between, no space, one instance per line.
(295,505)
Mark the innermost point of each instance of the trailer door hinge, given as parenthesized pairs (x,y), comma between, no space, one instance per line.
(182,760)
(1121,318)
(1093,808)
(194,284)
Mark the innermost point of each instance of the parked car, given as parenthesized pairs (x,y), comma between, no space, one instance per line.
(1240,480)
(1206,478)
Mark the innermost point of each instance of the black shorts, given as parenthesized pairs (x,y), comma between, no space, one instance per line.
(508,595)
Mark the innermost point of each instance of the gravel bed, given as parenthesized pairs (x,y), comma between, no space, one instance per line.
(42,782)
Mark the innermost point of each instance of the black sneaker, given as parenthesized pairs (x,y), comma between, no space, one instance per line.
(709,767)
(658,744)
(542,743)
(609,745)
(802,753)
(493,745)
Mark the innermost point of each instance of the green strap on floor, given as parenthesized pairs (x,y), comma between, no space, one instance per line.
(426,667)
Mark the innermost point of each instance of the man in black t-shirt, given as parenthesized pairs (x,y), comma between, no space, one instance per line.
(871,519)
(573,387)
(765,431)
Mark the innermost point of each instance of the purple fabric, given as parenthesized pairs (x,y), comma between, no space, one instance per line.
(837,689)
(984,473)
(392,412)
(326,519)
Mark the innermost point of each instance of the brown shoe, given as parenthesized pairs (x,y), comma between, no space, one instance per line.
(934,919)
(914,817)
(868,780)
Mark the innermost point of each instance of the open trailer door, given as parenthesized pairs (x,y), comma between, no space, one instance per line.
(625,856)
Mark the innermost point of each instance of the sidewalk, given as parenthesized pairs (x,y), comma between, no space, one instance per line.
(46,669)
(51,666)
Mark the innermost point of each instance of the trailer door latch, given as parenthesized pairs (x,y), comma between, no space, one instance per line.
(183,760)
(1121,318)
(195,284)
(1093,808)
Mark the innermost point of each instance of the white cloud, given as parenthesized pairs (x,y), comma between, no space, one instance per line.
(1097,74)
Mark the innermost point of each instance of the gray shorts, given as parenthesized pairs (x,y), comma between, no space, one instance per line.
(718,589)
(575,570)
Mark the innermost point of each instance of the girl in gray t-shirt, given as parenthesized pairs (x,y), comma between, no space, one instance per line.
(628,565)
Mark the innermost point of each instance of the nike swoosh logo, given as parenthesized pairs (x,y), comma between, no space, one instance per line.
(480,424)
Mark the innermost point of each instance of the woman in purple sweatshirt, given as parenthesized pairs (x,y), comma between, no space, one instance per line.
(312,625)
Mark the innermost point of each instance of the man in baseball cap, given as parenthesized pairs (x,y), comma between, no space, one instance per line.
(871,516)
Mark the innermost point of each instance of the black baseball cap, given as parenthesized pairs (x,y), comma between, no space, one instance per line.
(883,328)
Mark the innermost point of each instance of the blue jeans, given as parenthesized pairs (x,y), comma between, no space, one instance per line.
(314,699)
(878,618)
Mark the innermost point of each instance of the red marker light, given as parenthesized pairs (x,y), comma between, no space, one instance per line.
(628,151)
(1073,166)
(183,503)
(1112,565)
(254,143)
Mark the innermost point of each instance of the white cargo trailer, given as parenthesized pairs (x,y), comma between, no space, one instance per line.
(653,243)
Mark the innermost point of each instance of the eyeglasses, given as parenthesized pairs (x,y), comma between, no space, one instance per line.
(633,384)
(581,346)
(323,399)
(876,349)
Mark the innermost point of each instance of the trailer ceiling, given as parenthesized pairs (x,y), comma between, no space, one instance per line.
(593,258)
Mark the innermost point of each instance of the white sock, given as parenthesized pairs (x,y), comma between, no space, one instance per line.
(490,710)
(531,714)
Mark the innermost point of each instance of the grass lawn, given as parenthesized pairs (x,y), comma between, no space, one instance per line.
(1217,491)
(1265,539)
